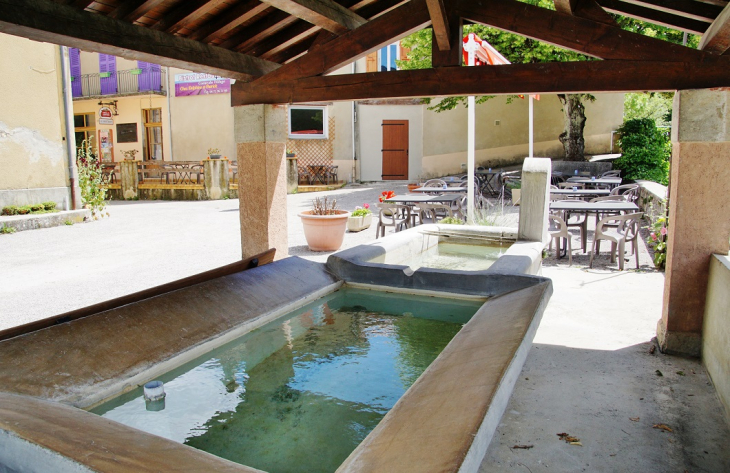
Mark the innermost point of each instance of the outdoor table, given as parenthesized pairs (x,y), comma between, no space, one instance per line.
(413,199)
(441,190)
(318,173)
(580,192)
(603,181)
(487,181)
(579,206)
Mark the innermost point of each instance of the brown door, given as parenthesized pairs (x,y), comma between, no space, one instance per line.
(395,149)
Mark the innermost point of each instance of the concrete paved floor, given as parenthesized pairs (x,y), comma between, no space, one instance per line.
(589,372)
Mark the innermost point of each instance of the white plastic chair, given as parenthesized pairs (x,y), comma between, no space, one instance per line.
(392,215)
(629,191)
(433,213)
(618,229)
(557,229)
(612,173)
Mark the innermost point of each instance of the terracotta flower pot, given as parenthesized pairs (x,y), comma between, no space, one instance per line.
(324,232)
(413,186)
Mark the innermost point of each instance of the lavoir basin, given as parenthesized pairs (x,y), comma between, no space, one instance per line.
(300,393)
(436,405)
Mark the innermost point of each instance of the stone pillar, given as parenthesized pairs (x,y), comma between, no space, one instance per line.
(216,178)
(260,132)
(129,178)
(535,200)
(699,213)
(292,175)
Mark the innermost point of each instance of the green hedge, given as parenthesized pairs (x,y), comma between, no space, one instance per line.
(646,151)
(45,207)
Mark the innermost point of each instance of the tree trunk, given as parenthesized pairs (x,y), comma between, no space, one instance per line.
(574,117)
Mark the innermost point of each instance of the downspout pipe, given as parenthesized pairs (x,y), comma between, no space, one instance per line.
(68,114)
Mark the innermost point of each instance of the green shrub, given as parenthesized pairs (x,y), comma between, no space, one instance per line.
(5,229)
(93,192)
(37,208)
(646,151)
(49,205)
(452,221)
(10,210)
(24,210)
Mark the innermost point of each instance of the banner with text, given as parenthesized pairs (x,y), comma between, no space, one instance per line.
(200,84)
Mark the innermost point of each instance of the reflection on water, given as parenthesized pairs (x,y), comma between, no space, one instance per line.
(459,257)
(299,394)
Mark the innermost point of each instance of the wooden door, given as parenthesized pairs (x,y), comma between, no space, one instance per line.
(395,150)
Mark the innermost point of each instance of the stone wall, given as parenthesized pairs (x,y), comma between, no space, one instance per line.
(716,330)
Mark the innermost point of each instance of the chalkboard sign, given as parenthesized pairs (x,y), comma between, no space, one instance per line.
(126,133)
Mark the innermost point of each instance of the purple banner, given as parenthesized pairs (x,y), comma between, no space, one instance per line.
(200,84)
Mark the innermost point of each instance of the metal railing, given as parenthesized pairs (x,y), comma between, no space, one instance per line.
(127,82)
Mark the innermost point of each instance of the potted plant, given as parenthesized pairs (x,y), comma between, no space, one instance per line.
(515,186)
(360,219)
(214,153)
(324,225)
(130,154)
(290,154)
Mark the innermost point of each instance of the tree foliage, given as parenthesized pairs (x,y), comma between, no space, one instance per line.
(645,149)
(654,105)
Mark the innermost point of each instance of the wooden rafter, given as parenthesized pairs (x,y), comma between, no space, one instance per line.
(44,20)
(687,8)
(228,20)
(717,37)
(453,56)
(249,35)
(585,9)
(133,10)
(654,16)
(440,24)
(326,14)
(181,14)
(570,32)
(385,29)
(540,78)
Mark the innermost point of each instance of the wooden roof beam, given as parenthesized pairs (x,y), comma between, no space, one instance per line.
(453,56)
(182,13)
(392,26)
(585,9)
(571,32)
(326,14)
(537,78)
(717,37)
(654,16)
(133,10)
(692,9)
(440,24)
(44,20)
(228,20)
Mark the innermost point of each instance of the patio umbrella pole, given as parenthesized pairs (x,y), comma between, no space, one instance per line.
(531,135)
(471,47)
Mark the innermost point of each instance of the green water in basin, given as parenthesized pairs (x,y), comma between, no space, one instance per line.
(459,256)
(300,393)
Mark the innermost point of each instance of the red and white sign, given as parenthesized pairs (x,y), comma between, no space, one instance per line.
(105,112)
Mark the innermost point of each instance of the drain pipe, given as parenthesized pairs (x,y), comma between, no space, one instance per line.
(68,114)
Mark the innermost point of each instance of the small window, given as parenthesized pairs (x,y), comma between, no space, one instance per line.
(307,123)
(387,57)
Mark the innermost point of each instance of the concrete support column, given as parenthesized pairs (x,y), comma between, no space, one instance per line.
(129,179)
(216,178)
(699,213)
(535,199)
(292,175)
(260,132)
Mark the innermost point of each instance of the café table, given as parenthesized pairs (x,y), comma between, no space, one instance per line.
(440,190)
(598,181)
(414,199)
(567,193)
(318,173)
(579,206)
(489,181)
